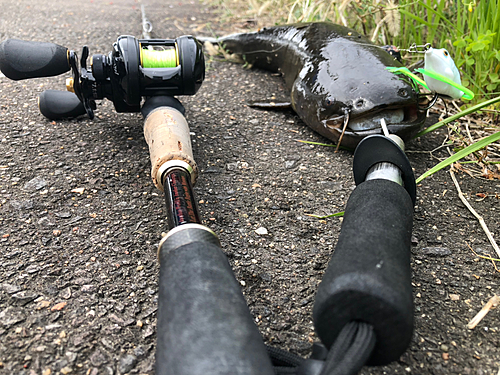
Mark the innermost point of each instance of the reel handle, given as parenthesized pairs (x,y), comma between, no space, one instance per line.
(21,59)
(56,105)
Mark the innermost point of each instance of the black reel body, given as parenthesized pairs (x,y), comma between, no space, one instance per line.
(127,74)
(136,68)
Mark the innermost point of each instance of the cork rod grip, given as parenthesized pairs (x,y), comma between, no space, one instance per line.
(167,135)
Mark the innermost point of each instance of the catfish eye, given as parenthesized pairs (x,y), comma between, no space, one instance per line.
(359,103)
(445,52)
(403,93)
(329,102)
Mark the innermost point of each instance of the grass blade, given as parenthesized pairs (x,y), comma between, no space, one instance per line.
(461,154)
(439,15)
(417,18)
(327,216)
(323,144)
(468,111)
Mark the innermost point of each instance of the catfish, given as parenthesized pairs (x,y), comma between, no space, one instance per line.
(338,81)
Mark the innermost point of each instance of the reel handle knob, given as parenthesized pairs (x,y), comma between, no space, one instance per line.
(21,59)
(56,104)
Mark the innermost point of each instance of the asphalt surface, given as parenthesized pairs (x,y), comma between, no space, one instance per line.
(80,219)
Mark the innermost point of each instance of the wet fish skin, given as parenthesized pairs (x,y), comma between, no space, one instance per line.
(332,71)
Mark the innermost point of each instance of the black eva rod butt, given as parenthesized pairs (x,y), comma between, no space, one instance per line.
(204,325)
(56,105)
(369,278)
(20,59)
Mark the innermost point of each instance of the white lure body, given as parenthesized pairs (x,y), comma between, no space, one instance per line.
(440,61)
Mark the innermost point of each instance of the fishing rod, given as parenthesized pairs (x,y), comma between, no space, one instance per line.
(147,26)
(363,311)
(204,324)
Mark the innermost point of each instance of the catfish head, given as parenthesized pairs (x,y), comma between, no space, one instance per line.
(349,85)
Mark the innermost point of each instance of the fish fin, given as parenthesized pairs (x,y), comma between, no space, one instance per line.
(271,105)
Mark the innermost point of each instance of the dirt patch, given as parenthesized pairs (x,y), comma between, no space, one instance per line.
(80,218)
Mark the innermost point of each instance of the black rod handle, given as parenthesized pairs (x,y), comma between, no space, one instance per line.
(21,59)
(368,278)
(56,105)
(204,325)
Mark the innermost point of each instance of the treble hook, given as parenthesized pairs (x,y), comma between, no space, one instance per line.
(418,48)
(430,103)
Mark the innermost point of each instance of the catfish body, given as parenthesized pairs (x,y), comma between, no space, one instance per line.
(335,75)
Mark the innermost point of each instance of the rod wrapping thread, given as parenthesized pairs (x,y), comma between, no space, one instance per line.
(369,278)
(167,134)
(179,197)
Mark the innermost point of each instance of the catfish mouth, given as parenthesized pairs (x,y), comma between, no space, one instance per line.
(408,116)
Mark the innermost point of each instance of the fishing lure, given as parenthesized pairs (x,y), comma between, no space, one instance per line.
(440,73)
(440,61)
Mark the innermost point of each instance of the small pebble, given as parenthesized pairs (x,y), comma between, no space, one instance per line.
(42,304)
(64,214)
(436,251)
(127,363)
(58,306)
(66,293)
(37,183)
(261,231)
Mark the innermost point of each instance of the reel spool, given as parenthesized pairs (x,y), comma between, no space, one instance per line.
(167,58)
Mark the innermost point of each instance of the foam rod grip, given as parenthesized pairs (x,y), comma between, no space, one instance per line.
(20,59)
(368,278)
(56,105)
(204,325)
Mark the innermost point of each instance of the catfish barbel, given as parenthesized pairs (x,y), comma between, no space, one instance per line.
(336,77)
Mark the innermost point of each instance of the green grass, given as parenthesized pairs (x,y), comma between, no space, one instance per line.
(470,30)
(460,155)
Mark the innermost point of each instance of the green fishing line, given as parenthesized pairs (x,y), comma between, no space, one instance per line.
(468,95)
(159,59)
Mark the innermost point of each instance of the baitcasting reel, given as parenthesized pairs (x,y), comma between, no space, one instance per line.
(134,69)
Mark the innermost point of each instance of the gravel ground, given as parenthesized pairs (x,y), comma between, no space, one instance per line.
(80,219)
